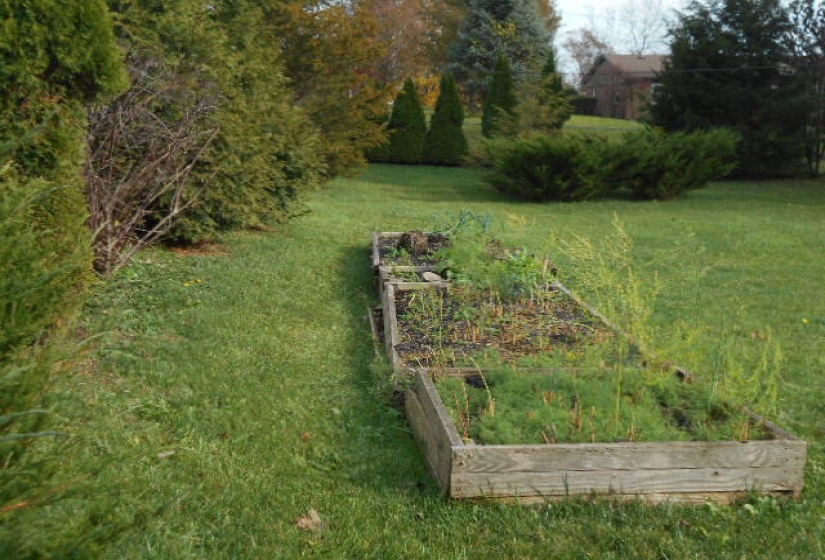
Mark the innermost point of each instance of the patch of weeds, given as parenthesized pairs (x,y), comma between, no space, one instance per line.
(600,383)
(585,405)
(608,274)
(392,252)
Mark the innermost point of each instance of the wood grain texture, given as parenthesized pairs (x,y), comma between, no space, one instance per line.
(625,482)
(433,427)
(678,469)
(493,459)
(722,498)
(402,286)
(376,259)
(391,327)
(431,401)
(433,445)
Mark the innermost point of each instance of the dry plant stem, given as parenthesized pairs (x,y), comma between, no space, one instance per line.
(139,165)
(464,413)
(491,402)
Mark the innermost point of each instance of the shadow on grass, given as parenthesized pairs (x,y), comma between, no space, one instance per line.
(379,442)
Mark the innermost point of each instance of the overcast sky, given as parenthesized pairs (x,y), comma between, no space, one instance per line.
(608,18)
(605,16)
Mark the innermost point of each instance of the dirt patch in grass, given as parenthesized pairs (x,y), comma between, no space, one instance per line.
(201,250)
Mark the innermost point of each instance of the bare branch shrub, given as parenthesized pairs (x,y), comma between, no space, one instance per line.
(142,149)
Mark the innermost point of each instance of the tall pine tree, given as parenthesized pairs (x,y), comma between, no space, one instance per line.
(446,143)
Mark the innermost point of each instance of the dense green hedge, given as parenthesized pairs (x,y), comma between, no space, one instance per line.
(54,58)
(654,165)
(647,164)
(563,168)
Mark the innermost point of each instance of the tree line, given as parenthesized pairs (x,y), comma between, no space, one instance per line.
(755,66)
(124,122)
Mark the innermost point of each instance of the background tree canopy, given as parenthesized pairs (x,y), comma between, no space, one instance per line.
(521,30)
(729,67)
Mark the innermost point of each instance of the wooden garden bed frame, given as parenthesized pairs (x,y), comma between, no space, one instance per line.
(693,471)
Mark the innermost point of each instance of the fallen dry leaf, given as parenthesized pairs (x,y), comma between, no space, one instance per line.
(311,522)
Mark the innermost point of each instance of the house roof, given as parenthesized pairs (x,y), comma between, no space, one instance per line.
(632,66)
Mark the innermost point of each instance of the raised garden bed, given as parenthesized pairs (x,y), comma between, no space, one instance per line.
(465,351)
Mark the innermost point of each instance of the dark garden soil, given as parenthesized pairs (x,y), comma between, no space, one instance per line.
(393,253)
(441,327)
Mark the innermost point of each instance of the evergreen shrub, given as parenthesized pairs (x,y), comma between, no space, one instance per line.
(445,143)
(547,168)
(38,293)
(654,165)
(249,152)
(381,152)
(648,164)
(408,126)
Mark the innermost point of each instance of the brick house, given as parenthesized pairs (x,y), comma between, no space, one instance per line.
(622,83)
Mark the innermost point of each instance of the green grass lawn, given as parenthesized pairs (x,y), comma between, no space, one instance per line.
(588,122)
(231,392)
(582,124)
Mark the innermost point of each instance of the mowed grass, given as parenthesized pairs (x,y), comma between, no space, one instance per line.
(578,124)
(231,392)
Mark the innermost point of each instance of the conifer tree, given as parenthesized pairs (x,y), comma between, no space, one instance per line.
(54,58)
(501,101)
(408,126)
(244,154)
(445,143)
(551,78)
(522,30)
(742,48)
(545,106)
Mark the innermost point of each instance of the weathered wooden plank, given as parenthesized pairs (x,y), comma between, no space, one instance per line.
(383,278)
(435,447)
(433,427)
(722,498)
(629,482)
(386,275)
(376,244)
(404,286)
(376,333)
(431,402)
(465,372)
(409,268)
(495,459)
(391,327)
